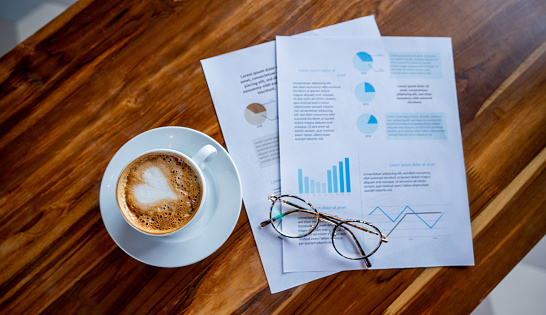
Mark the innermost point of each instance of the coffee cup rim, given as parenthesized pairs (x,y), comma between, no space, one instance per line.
(194,166)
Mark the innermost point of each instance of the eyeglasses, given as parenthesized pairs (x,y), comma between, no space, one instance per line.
(297,218)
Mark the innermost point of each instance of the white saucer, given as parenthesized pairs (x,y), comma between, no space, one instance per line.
(201,238)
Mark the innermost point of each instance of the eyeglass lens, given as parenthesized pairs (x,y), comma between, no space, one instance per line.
(293,217)
(356,240)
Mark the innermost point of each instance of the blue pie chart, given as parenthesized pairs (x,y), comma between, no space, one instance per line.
(363,61)
(365,92)
(367,124)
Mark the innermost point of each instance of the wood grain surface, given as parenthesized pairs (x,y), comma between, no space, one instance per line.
(105,71)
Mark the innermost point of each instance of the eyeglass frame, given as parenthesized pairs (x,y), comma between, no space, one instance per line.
(337,222)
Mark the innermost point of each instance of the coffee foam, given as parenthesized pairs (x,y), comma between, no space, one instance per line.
(159,193)
(155,188)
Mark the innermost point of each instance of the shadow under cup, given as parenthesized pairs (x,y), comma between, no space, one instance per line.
(163,191)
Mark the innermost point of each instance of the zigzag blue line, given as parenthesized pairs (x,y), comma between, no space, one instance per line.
(408,207)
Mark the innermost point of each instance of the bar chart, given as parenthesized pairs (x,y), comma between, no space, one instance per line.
(334,180)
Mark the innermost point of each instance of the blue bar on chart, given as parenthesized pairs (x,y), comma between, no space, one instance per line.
(329,175)
(347,175)
(341,183)
(338,180)
(334,179)
(300,180)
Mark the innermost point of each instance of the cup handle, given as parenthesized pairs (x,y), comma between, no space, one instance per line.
(204,155)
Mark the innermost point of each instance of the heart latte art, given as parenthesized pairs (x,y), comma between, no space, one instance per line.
(159,192)
(156,187)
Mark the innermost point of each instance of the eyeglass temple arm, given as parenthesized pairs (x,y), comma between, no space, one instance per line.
(280,216)
(273,198)
(384,238)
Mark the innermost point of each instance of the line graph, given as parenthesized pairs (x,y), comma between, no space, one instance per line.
(432,216)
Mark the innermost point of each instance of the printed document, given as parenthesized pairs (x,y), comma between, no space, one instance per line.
(243,87)
(369,130)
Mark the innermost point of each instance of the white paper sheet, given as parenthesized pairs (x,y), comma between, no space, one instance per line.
(369,130)
(242,85)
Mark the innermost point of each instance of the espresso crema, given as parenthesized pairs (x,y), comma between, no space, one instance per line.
(159,192)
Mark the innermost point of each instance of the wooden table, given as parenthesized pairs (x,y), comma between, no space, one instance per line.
(104,71)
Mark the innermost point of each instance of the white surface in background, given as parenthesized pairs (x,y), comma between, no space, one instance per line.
(19,19)
(37,19)
(523,290)
(512,296)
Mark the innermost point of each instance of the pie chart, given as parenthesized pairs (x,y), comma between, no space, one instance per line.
(367,124)
(255,114)
(365,92)
(363,61)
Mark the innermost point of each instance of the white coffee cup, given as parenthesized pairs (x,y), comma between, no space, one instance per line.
(155,189)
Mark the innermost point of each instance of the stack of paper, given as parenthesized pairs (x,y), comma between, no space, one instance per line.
(369,130)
